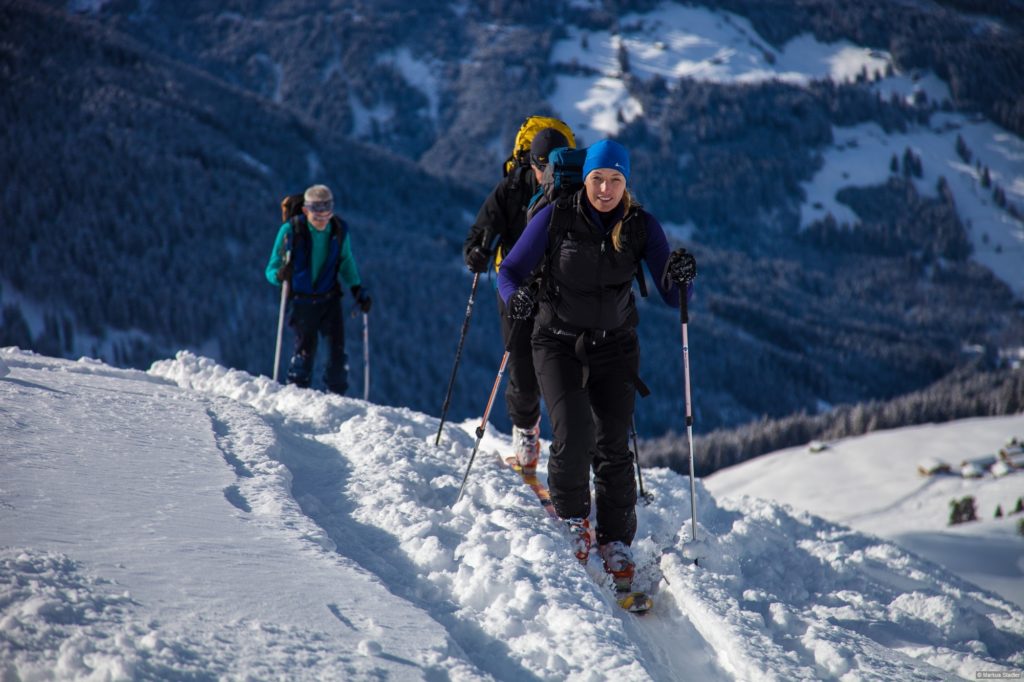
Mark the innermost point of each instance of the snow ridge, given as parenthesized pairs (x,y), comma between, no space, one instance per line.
(272,531)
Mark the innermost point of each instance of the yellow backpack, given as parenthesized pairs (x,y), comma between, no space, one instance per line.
(530,127)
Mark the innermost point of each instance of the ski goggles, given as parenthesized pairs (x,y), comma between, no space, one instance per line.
(320,206)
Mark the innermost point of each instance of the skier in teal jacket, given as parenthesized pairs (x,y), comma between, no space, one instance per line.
(321,262)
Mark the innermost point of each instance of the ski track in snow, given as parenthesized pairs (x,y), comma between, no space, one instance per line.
(238,528)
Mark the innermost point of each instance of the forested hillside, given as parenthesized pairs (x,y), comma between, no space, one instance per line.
(146,147)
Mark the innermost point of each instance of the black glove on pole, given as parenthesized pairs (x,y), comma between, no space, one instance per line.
(458,357)
(477,259)
(680,269)
(521,304)
(284,273)
(487,411)
(362,296)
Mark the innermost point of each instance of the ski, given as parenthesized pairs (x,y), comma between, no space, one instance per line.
(529,477)
(633,601)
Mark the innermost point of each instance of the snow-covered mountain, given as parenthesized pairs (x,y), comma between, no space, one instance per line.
(763,136)
(197,522)
(674,42)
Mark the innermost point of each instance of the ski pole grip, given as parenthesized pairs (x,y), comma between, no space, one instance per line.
(684,313)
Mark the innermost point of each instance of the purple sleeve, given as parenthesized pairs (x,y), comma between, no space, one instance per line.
(525,255)
(656,254)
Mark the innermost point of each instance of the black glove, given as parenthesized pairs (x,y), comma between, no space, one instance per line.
(521,304)
(362,297)
(477,259)
(681,267)
(284,272)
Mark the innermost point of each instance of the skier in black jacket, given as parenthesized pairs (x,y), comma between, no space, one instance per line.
(585,345)
(498,225)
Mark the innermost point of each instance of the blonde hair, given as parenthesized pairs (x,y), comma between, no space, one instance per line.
(627,203)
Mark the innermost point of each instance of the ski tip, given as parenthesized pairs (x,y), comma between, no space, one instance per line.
(635,602)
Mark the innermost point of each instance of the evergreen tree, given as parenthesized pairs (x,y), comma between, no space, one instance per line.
(970,509)
(961,149)
(999,196)
(962,511)
(623,58)
(956,515)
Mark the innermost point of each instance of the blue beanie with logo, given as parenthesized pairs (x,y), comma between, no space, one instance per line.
(607,154)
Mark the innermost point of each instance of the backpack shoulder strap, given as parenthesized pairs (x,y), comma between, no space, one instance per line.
(300,229)
(638,218)
(339,229)
(517,177)
(562,212)
(561,222)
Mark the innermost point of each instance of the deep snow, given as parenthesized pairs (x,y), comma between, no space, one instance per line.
(198,522)
(872,483)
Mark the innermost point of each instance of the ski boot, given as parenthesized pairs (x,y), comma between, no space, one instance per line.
(526,446)
(579,530)
(618,562)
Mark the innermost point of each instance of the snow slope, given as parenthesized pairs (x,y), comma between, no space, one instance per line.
(861,156)
(675,41)
(198,522)
(871,483)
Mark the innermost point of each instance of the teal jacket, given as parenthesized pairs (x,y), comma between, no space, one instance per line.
(348,273)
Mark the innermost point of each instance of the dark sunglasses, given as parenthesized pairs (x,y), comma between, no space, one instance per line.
(320,206)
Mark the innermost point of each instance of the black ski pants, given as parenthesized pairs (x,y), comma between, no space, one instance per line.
(310,319)
(591,426)
(522,395)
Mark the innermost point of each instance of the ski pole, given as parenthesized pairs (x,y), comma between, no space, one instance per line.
(366,356)
(285,287)
(458,357)
(644,495)
(684,318)
(487,411)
